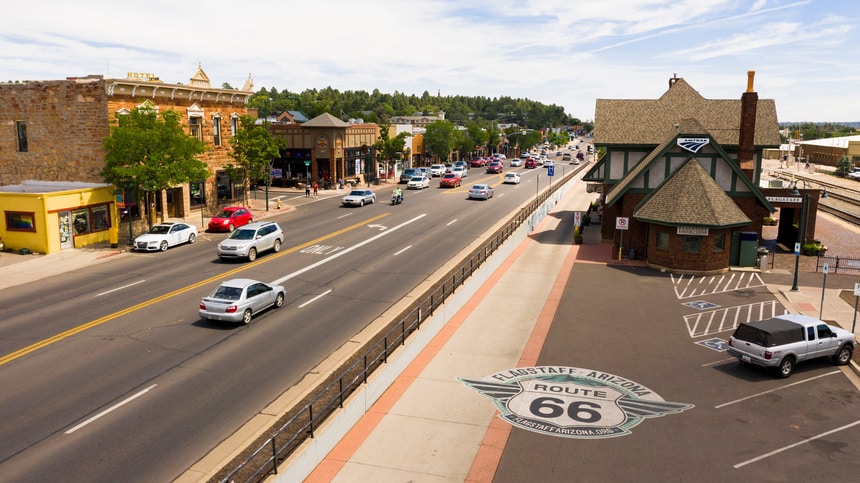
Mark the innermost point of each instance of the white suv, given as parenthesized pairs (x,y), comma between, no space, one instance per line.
(437,170)
(249,240)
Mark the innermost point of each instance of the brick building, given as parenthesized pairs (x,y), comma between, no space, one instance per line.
(680,174)
(54,130)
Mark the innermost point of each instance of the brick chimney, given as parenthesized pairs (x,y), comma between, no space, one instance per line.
(746,138)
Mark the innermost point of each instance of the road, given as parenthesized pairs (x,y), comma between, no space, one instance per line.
(110,374)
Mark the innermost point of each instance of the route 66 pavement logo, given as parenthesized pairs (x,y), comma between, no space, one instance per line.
(571,402)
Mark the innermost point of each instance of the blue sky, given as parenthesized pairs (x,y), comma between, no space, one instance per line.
(553,51)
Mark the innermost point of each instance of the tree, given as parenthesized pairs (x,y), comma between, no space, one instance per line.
(389,148)
(439,139)
(843,166)
(254,148)
(147,153)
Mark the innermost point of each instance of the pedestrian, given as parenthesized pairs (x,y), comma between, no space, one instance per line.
(307,190)
(340,183)
(316,189)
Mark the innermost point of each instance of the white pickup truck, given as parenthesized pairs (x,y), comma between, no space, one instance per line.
(781,342)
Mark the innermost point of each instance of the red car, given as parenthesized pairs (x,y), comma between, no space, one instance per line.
(449,180)
(531,163)
(230,218)
(478,162)
(494,167)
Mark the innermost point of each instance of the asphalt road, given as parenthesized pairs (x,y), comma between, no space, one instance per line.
(118,377)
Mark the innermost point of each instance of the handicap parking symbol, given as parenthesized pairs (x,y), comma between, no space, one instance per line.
(716,344)
(701,305)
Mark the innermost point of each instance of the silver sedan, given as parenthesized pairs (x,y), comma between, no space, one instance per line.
(480,192)
(359,198)
(237,300)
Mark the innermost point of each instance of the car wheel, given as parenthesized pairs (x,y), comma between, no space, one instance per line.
(192,238)
(246,317)
(277,247)
(252,254)
(279,301)
(361,203)
(163,245)
(843,356)
(231,228)
(786,367)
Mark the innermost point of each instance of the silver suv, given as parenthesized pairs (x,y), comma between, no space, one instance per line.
(249,240)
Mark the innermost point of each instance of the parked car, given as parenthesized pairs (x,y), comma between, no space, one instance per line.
(418,183)
(511,178)
(494,167)
(230,218)
(437,170)
(531,163)
(250,240)
(165,235)
(480,192)
(359,198)
(854,174)
(781,342)
(237,300)
(460,171)
(450,180)
(516,162)
(408,174)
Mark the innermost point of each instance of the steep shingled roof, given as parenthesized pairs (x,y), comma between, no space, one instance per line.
(644,121)
(325,120)
(690,197)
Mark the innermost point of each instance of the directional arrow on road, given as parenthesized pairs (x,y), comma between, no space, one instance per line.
(381,227)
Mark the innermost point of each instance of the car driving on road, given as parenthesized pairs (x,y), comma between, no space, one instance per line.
(511,178)
(252,239)
(480,192)
(359,198)
(239,299)
(418,183)
(449,180)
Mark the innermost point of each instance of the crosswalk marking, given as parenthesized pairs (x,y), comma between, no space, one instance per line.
(692,286)
(726,319)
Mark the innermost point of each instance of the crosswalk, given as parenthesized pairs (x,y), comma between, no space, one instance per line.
(688,286)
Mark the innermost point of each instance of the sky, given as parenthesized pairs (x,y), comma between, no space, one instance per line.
(560,52)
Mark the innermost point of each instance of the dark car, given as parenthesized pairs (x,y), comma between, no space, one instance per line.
(494,167)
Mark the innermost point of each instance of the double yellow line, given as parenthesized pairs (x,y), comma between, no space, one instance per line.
(101,320)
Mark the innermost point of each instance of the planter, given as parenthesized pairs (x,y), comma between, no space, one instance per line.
(577,240)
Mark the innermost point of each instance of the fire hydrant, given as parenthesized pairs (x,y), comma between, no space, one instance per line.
(278,203)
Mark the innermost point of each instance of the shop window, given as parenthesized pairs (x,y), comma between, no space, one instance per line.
(216,129)
(195,128)
(196,190)
(234,126)
(21,130)
(100,217)
(81,221)
(662,240)
(720,242)
(20,221)
(692,244)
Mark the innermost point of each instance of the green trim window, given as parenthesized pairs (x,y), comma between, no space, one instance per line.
(692,244)
(662,240)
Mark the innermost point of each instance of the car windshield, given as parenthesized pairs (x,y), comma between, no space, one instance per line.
(241,234)
(227,293)
(159,229)
(356,193)
(223,214)
(417,178)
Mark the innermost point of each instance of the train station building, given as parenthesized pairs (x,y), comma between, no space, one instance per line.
(681,179)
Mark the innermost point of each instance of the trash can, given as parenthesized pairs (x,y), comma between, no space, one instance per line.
(762,258)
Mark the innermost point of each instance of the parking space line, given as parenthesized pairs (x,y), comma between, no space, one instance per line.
(692,286)
(728,318)
(720,406)
(803,441)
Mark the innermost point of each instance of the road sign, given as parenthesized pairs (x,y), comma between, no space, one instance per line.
(621,222)
(797,249)
(550,170)
(307,163)
(577,218)
(277,173)
(825,268)
(857,289)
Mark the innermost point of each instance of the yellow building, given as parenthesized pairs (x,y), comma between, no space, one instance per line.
(49,216)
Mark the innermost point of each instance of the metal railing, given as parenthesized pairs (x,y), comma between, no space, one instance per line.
(835,264)
(304,419)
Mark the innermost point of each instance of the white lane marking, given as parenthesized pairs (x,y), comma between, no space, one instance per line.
(451,222)
(344,216)
(345,251)
(803,441)
(119,288)
(315,298)
(110,409)
(401,251)
(720,406)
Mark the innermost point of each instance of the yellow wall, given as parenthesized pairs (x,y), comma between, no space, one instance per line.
(45,208)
